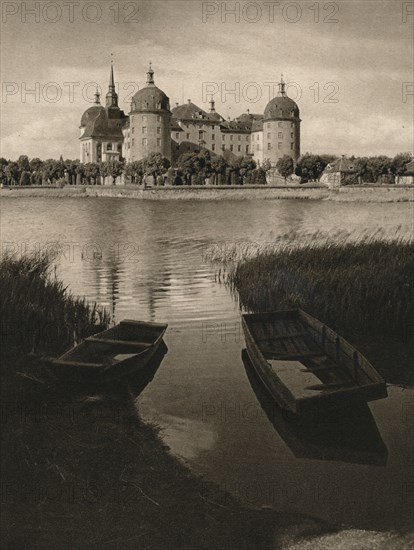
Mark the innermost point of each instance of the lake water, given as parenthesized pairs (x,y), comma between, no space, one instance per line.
(145,260)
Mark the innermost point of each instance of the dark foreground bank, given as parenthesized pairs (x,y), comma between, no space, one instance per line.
(80,469)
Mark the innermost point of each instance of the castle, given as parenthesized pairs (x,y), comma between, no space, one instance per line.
(153,127)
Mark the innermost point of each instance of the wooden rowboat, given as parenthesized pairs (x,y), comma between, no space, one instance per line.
(305,365)
(113,353)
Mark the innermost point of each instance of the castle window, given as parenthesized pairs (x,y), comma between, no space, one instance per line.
(291,135)
(213,127)
(291,146)
(133,141)
(268,135)
(279,145)
(247,148)
(200,134)
(213,136)
(223,136)
(144,141)
(144,118)
(177,135)
(269,146)
(132,129)
(159,142)
(109,147)
(231,137)
(119,147)
(188,136)
(239,147)
(280,135)
(158,106)
(213,147)
(158,130)
(231,147)
(239,138)
(223,147)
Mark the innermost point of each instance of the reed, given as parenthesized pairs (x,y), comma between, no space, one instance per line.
(38,314)
(363,288)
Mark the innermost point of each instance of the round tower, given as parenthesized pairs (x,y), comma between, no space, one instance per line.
(150,121)
(281,127)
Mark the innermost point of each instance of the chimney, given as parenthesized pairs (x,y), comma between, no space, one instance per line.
(176,103)
(248,111)
(189,100)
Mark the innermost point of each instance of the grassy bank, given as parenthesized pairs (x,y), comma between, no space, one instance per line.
(366,193)
(80,469)
(363,290)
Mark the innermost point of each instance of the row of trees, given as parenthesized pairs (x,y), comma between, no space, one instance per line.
(365,169)
(50,171)
(191,169)
(194,169)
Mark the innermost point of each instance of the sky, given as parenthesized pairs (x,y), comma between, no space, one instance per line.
(348,64)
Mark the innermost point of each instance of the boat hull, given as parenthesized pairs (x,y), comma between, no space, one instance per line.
(112,354)
(317,344)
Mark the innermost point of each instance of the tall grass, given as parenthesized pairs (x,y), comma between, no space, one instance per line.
(37,313)
(364,288)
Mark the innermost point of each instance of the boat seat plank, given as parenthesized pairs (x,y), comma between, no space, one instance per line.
(290,356)
(126,343)
(283,336)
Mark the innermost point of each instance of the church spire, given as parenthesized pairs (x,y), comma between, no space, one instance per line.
(282,85)
(150,75)
(111,96)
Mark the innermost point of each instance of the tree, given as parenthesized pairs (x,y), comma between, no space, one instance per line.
(155,165)
(135,171)
(51,170)
(25,178)
(112,168)
(23,163)
(195,166)
(310,167)
(399,163)
(285,166)
(92,172)
(379,166)
(218,166)
(12,173)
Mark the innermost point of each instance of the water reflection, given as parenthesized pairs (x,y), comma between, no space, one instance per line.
(348,435)
(152,268)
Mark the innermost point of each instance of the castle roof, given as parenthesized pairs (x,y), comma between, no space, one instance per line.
(236,126)
(281,106)
(102,126)
(190,111)
(150,98)
(90,114)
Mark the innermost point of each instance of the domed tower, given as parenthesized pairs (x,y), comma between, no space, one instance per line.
(89,117)
(281,127)
(150,121)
